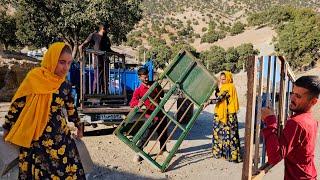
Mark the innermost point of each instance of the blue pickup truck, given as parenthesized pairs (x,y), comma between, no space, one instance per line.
(103,85)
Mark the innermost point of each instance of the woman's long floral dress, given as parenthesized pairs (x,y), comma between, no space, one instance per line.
(54,155)
(225,137)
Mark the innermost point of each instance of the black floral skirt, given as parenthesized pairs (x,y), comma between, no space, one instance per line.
(225,139)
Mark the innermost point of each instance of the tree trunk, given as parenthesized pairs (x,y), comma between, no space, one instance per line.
(74,50)
(6,46)
(73,46)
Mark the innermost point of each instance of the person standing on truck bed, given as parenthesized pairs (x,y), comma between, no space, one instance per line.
(136,101)
(99,41)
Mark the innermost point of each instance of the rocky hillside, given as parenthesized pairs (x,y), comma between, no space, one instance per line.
(191,21)
(13,69)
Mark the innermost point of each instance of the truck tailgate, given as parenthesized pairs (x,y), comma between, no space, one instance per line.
(94,110)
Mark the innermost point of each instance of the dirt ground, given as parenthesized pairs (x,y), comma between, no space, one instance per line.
(113,159)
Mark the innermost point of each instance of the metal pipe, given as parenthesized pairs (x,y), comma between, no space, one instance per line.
(153,114)
(171,134)
(90,73)
(157,127)
(104,75)
(137,121)
(268,104)
(274,84)
(97,74)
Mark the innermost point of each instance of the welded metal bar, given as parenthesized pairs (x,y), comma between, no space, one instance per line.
(185,112)
(127,120)
(154,113)
(124,90)
(140,152)
(104,74)
(109,81)
(173,131)
(145,110)
(274,84)
(268,104)
(97,76)
(180,139)
(137,121)
(118,78)
(164,112)
(165,98)
(181,105)
(268,83)
(158,125)
(162,89)
(90,73)
(170,121)
(164,130)
(147,141)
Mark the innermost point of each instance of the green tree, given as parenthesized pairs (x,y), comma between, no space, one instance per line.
(256,19)
(231,60)
(40,22)
(275,16)
(154,41)
(212,25)
(237,28)
(299,41)
(7,30)
(141,53)
(214,58)
(181,46)
(212,36)
(244,51)
(133,42)
(298,32)
(162,54)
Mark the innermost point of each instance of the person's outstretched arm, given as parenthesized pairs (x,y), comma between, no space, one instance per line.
(89,38)
(279,147)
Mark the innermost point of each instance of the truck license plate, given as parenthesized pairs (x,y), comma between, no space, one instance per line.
(109,117)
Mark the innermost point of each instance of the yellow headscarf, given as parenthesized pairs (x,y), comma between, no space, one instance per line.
(38,87)
(222,108)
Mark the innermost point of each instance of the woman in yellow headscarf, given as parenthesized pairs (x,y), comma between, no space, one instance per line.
(36,122)
(225,140)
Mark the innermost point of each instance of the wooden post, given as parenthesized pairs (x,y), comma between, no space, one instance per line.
(282,95)
(274,84)
(251,102)
(258,116)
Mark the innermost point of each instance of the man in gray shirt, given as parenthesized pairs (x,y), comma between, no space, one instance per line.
(99,41)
